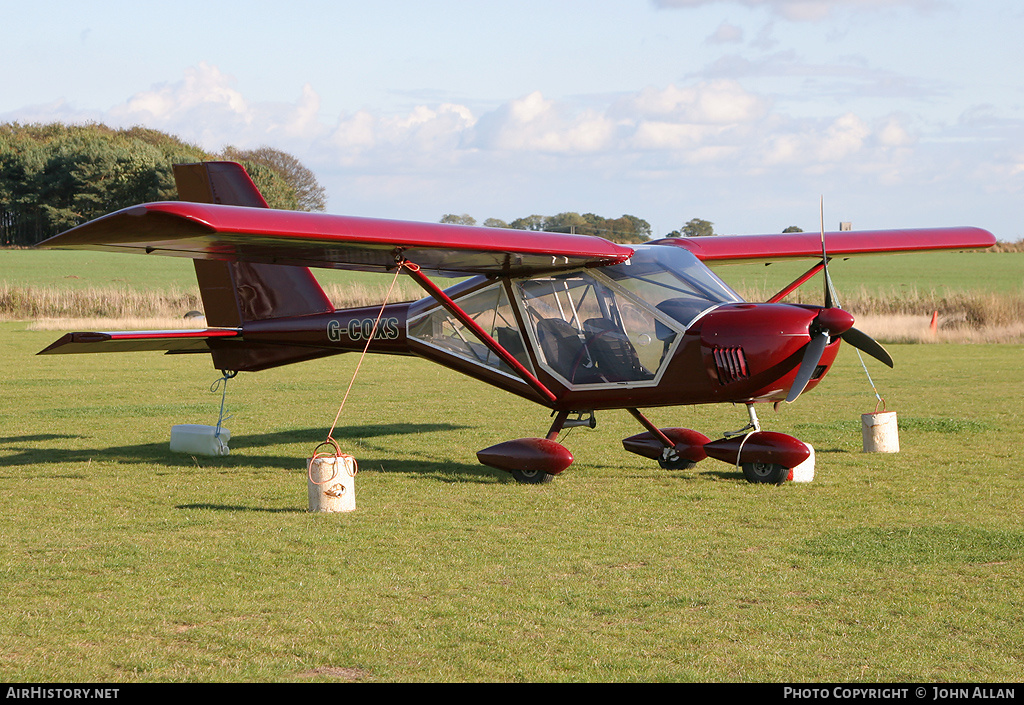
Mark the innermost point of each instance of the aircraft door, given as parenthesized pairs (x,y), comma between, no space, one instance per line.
(588,332)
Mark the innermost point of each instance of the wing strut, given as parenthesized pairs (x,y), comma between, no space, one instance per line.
(464,318)
(797,283)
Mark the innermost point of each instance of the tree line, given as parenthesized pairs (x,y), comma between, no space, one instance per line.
(626,229)
(56,176)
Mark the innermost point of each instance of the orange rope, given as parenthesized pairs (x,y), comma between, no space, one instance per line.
(334,466)
(330,437)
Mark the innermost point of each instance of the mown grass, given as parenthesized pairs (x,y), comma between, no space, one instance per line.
(121,561)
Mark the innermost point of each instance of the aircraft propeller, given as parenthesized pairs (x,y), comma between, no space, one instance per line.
(831,322)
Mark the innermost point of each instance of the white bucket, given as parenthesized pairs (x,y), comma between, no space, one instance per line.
(332,483)
(195,439)
(879,432)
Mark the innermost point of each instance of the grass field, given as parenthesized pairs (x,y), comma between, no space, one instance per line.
(124,562)
(121,561)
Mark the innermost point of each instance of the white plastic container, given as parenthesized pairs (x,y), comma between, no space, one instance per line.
(195,439)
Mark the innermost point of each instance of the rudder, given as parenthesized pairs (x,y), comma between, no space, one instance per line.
(236,292)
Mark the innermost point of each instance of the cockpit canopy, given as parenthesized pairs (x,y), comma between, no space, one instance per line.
(615,325)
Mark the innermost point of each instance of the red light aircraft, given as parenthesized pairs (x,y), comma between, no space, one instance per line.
(575,323)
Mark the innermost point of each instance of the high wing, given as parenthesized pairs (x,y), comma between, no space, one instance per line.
(236,233)
(741,249)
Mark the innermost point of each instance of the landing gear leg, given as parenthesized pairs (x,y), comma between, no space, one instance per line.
(556,425)
(755,472)
(753,426)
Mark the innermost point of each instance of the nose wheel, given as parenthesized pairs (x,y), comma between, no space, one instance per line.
(531,477)
(765,473)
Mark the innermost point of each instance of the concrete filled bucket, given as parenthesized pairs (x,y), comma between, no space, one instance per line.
(879,431)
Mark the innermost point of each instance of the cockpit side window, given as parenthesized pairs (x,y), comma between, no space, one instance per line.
(492,311)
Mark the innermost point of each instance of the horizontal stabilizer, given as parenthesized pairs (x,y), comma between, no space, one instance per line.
(172,341)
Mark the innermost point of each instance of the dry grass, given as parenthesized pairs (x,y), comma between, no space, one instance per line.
(351,295)
(897,316)
(904,328)
(58,308)
(123,323)
(905,316)
(36,302)
(1002,246)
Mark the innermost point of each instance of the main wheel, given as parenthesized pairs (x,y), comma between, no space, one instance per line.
(676,462)
(765,473)
(531,477)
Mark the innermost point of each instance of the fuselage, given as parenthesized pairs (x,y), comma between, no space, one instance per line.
(659,330)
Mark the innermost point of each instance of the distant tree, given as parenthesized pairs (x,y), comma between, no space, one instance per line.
(453,219)
(495,223)
(309,194)
(567,223)
(793,229)
(56,176)
(695,227)
(629,229)
(530,222)
(276,191)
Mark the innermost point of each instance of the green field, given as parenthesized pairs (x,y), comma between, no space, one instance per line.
(82,269)
(123,562)
(894,274)
(940,271)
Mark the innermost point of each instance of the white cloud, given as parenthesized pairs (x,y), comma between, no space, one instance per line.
(716,123)
(536,124)
(204,91)
(893,133)
(726,34)
(719,103)
(641,149)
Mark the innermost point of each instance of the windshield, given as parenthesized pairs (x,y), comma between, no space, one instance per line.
(673,280)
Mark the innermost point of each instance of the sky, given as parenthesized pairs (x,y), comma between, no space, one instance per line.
(746,113)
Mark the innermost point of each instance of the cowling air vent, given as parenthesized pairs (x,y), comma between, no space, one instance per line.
(731,364)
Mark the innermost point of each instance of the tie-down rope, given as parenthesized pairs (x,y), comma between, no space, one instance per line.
(330,437)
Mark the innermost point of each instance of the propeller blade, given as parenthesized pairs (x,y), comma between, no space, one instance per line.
(824,256)
(864,342)
(812,355)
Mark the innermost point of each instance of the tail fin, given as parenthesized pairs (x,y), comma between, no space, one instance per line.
(236,292)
